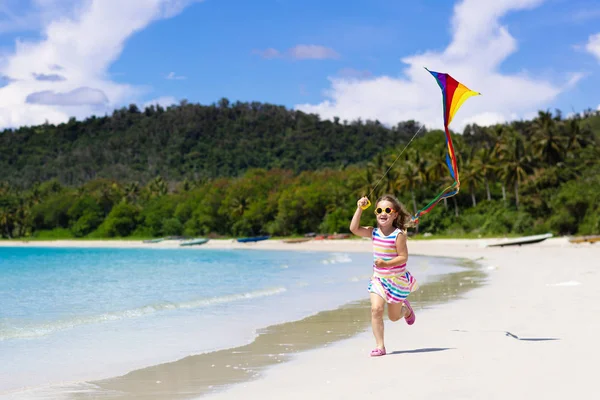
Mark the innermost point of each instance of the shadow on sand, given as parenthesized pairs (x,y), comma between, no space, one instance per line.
(529,339)
(425,350)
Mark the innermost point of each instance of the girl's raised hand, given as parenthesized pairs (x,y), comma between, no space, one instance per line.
(363,201)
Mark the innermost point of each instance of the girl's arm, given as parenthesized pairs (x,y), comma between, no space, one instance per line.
(364,231)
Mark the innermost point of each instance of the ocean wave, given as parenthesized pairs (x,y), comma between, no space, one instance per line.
(10,330)
(338,258)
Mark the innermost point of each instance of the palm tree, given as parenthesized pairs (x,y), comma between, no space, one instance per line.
(131,192)
(498,135)
(577,137)
(437,169)
(409,179)
(547,143)
(158,187)
(486,163)
(239,204)
(471,175)
(515,162)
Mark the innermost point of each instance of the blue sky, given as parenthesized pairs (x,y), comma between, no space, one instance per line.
(353,59)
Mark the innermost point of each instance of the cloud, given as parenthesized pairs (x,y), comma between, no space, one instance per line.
(77,97)
(173,76)
(76,40)
(314,52)
(49,77)
(478,46)
(593,45)
(300,52)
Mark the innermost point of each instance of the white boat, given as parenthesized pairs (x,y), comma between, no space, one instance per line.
(522,240)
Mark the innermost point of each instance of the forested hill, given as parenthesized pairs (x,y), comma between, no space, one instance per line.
(188,141)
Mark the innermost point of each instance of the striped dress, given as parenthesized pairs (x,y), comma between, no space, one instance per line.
(394,283)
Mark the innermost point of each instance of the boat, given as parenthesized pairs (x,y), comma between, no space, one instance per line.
(154,240)
(297,240)
(252,239)
(583,239)
(522,240)
(194,242)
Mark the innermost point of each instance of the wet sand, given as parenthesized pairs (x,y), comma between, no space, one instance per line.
(198,375)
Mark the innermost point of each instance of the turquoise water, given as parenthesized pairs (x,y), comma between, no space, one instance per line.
(72,314)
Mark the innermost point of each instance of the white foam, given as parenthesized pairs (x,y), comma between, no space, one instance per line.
(338,258)
(38,330)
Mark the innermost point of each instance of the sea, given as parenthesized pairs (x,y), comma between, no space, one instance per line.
(77,314)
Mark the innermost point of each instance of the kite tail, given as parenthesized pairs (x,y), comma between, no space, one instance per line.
(446,193)
(450,190)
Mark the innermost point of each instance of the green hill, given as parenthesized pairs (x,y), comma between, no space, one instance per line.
(188,141)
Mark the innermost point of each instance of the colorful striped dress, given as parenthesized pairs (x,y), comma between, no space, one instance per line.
(395,283)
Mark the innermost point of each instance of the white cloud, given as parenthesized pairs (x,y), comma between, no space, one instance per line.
(312,51)
(593,45)
(479,45)
(76,97)
(49,77)
(174,76)
(80,45)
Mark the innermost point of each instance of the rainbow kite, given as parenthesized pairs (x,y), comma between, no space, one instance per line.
(454,95)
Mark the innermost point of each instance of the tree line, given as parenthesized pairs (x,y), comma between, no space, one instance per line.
(523,177)
(188,141)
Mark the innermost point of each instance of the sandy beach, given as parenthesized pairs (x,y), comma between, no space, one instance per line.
(528,332)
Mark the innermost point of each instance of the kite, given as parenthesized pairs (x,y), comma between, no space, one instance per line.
(454,95)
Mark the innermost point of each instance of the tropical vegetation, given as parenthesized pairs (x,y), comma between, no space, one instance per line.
(248,168)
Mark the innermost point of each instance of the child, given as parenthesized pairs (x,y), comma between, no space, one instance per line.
(391,282)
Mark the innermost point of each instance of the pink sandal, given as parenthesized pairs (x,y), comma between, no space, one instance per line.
(377,352)
(410,319)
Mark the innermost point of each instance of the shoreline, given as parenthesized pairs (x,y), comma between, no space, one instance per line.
(212,372)
(349,245)
(333,247)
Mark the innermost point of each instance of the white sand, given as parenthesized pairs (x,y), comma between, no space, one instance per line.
(461,350)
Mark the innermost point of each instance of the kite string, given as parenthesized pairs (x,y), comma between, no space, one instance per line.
(391,165)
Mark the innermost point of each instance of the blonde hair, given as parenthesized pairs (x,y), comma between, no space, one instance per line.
(403,220)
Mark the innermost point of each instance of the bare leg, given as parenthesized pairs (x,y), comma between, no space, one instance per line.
(397,311)
(377,305)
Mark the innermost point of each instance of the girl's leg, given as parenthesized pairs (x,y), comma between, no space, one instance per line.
(377,305)
(397,311)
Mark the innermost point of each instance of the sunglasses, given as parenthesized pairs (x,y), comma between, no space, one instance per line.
(386,210)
